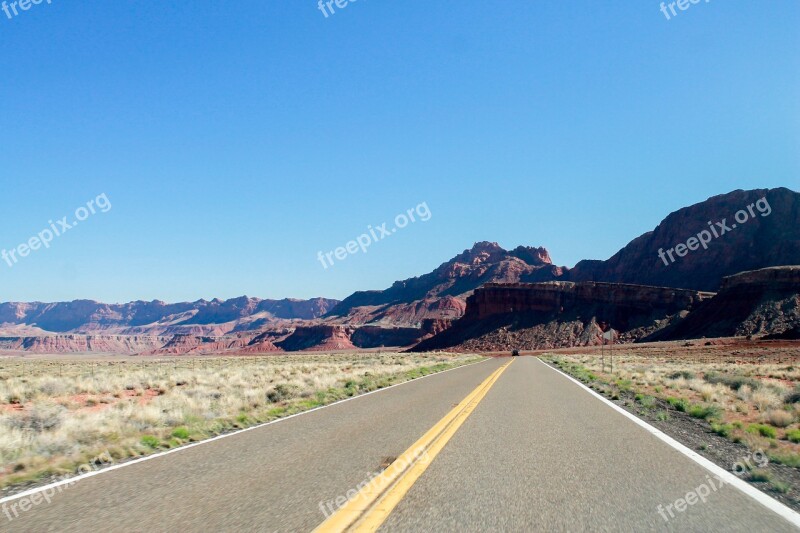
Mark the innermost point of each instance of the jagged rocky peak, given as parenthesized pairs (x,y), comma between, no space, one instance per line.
(491,252)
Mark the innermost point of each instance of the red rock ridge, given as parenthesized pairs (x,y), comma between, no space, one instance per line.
(560,314)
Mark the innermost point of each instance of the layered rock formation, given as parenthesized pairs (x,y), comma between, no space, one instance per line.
(561,314)
(326,337)
(192,344)
(112,344)
(761,302)
(202,317)
(318,338)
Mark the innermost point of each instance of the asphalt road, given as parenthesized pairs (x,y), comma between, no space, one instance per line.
(538,453)
(541,454)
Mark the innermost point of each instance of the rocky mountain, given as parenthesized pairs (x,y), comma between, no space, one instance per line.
(734,232)
(441,294)
(692,248)
(215,317)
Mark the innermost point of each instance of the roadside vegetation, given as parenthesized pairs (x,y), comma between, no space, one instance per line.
(757,405)
(55,415)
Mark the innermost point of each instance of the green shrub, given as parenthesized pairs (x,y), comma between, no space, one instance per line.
(788,459)
(685,374)
(276,412)
(624,384)
(180,433)
(704,411)
(582,373)
(793,435)
(150,441)
(304,405)
(763,430)
(760,475)
(780,486)
(679,404)
(724,430)
(648,402)
(662,416)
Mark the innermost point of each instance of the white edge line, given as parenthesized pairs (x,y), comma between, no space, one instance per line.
(72,480)
(765,500)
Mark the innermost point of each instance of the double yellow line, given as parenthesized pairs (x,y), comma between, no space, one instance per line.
(370,507)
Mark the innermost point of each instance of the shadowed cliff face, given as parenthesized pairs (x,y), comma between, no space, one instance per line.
(615,302)
(761,302)
(769,237)
(561,314)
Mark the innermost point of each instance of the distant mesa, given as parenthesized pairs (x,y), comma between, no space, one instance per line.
(484,298)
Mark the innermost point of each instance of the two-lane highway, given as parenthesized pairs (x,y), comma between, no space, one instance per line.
(524,449)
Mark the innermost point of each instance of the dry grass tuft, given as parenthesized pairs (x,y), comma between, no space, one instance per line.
(54,415)
(780,419)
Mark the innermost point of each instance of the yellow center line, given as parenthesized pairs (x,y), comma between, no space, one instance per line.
(370,507)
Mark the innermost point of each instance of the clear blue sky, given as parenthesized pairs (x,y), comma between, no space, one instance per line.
(235,140)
